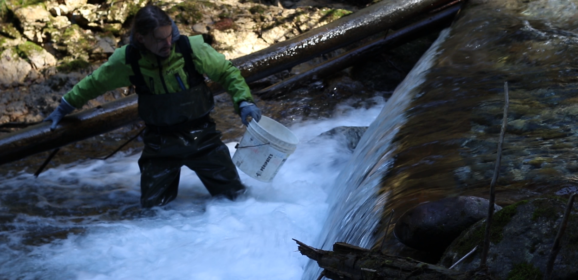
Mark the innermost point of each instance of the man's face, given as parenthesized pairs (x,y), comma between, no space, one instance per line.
(159,41)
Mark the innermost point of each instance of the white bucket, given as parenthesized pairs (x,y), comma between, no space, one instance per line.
(264,148)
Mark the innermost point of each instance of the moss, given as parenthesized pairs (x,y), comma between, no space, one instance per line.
(544,208)
(23,3)
(74,65)
(333,14)
(549,172)
(537,161)
(134,7)
(524,271)
(111,30)
(8,29)
(499,221)
(26,49)
(257,9)
(189,12)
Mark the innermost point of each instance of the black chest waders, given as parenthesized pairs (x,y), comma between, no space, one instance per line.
(180,132)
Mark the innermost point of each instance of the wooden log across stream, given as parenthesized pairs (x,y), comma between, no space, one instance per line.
(349,58)
(348,262)
(344,31)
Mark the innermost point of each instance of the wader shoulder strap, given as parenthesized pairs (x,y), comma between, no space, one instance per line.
(184,47)
(132,56)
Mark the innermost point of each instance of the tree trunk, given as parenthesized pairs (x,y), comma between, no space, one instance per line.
(337,34)
(349,58)
(348,262)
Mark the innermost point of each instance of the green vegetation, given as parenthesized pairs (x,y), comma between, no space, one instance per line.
(21,3)
(524,271)
(3,9)
(26,49)
(333,14)
(189,12)
(135,7)
(8,29)
(257,9)
(73,65)
(544,208)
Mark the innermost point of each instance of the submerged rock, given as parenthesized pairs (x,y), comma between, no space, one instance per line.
(432,226)
(346,135)
(521,238)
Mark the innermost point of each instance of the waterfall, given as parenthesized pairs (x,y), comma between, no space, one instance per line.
(355,205)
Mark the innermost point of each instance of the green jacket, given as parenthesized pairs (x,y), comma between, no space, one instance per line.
(115,73)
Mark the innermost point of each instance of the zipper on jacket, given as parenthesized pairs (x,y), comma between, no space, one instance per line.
(161,74)
(181,84)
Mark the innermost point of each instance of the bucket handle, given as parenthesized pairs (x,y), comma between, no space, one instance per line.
(237,146)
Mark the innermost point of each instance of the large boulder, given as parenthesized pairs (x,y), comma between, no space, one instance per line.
(38,57)
(433,225)
(349,136)
(13,69)
(32,20)
(521,238)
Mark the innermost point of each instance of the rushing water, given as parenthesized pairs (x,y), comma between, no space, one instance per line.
(355,206)
(83,220)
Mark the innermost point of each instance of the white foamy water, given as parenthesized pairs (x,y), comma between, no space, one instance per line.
(194,237)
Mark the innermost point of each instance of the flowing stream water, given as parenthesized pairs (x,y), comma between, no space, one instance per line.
(82,220)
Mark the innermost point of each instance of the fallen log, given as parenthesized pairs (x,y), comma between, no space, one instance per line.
(337,34)
(88,123)
(348,262)
(391,40)
(366,22)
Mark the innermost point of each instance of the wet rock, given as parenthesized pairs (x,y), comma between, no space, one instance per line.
(13,69)
(287,4)
(522,234)
(432,226)
(347,135)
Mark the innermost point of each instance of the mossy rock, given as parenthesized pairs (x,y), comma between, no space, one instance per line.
(189,12)
(74,41)
(25,50)
(72,65)
(521,239)
(8,30)
(524,271)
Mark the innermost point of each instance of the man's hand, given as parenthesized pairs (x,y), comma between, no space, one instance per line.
(62,110)
(249,109)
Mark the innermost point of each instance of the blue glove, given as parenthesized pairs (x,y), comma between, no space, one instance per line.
(62,110)
(249,109)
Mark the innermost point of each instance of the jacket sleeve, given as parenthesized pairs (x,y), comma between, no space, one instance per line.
(214,64)
(111,75)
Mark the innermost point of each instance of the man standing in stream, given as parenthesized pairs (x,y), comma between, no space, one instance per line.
(167,71)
